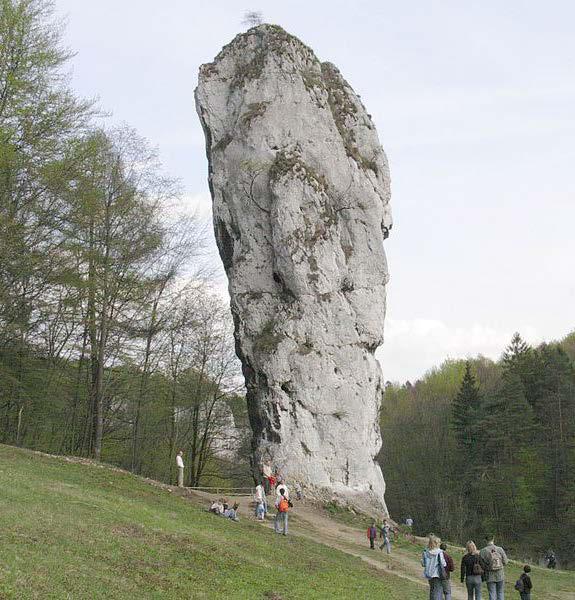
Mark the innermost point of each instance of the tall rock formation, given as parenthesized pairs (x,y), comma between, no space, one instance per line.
(300,189)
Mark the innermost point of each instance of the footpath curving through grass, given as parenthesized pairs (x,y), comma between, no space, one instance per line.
(84,531)
(548,584)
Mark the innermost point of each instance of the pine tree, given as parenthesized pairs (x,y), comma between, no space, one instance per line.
(522,360)
(555,410)
(511,474)
(465,411)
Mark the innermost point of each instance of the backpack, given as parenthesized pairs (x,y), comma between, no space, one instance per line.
(441,569)
(477,569)
(520,585)
(283,506)
(495,562)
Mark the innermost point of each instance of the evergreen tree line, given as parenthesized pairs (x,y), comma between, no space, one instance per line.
(112,343)
(478,446)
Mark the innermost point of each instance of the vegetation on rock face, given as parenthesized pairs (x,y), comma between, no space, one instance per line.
(344,112)
(254,110)
(491,448)
(268,339)
(291,164)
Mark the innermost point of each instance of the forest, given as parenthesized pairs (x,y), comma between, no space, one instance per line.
(113,342)
(479,446)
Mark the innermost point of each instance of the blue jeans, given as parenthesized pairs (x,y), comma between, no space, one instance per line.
(386,544)
(496,590)
(281,523)
(435,589)
(473,583)
(446,588)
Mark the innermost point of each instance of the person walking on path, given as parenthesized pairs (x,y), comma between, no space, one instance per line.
(524,584)
(261,502)
(372,536)
(385,535)
(433,563)
(471,571)
(450,567)
(281,520)
(551,559)
(494,559)
(180,465)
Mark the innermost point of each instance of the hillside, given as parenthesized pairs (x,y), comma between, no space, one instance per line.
(74,529)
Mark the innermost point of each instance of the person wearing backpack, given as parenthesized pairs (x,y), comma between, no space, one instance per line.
(449,568)
(493,561)
(523,585)
(281,520)
(471,571)
(372,535)
(434,563)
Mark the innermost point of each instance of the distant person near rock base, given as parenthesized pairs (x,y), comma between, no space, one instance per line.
(261,502)
(372,536)
(180,465)
(385,536)
(281,519)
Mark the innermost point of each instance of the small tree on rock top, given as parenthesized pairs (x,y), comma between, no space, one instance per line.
(252,18)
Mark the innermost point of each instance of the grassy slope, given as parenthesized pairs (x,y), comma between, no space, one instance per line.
(81,531)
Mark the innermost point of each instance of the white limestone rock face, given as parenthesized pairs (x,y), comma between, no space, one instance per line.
(300,189)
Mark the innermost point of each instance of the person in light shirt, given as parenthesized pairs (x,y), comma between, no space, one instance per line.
(180,465)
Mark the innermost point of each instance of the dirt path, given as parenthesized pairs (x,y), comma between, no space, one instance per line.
(309,521)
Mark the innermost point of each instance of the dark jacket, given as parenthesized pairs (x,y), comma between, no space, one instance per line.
(467,563)
(527,585)
(371,533)
(450,567)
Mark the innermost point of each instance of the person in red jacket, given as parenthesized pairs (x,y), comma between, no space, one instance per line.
(449,568)
(372,535)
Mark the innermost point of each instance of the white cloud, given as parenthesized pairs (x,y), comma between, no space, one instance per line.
(195,203)
(414,346)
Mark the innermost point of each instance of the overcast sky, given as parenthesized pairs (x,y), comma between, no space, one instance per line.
(474,104)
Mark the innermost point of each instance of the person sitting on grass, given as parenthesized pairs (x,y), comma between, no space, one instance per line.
(232,513)
(216,507)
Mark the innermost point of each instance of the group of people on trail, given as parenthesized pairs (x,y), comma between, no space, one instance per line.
(385,534)
(282,503)
(487,565)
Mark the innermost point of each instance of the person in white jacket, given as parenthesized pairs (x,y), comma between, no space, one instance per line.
(261,502)
(281,490)
(433,563)
(180,465)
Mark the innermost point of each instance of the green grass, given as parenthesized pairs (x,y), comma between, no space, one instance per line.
(71,530)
